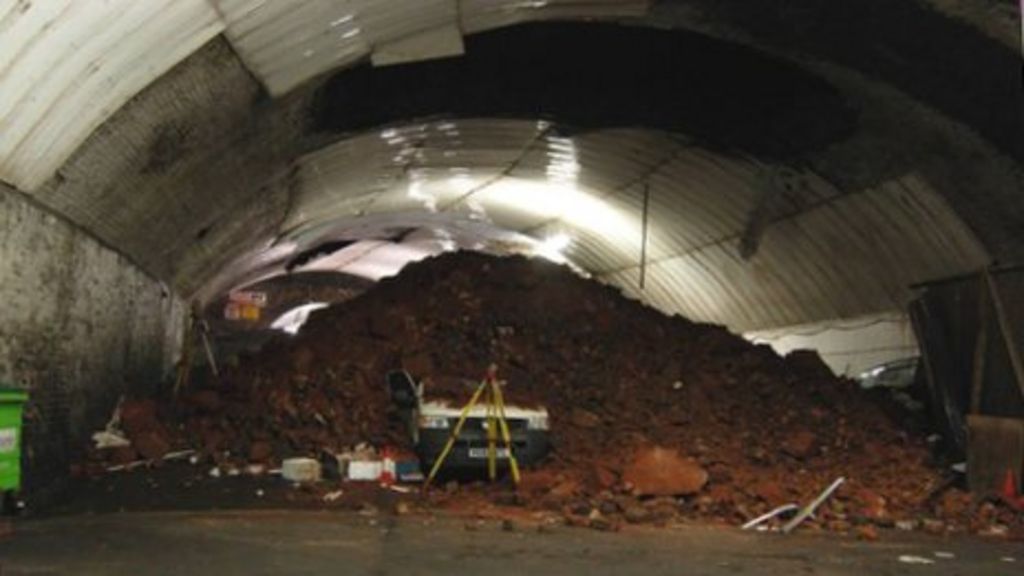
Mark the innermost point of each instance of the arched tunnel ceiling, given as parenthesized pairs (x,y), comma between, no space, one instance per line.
(522,177)
(70,64)
(898,160)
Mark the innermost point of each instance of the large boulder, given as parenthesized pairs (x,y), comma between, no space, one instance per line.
(663,472)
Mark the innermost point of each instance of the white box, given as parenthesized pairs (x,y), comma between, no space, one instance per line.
(369,470)
(300,470)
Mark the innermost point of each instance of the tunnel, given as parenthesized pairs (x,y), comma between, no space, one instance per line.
(184,184)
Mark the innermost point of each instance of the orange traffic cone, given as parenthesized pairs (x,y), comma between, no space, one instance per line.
(1009,492)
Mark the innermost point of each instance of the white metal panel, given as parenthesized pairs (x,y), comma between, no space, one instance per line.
(286,42)
(848,346)
(820,254)
(479,15)
(69,64)
(879,241)
(442,42)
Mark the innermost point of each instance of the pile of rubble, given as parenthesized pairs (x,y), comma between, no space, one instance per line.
(652,417)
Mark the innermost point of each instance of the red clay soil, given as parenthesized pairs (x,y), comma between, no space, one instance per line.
(618,379)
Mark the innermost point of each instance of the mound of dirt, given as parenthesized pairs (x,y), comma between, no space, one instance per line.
(619,379)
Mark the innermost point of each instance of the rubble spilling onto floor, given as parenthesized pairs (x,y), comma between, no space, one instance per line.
(653,418)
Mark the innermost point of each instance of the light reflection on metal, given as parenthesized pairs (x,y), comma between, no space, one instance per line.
(68,65)
(285,43)
(292,320)
(515,184)
(553,247)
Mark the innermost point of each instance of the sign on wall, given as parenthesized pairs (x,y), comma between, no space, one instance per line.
(245,305)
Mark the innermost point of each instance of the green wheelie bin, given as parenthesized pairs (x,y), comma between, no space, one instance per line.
(11,403)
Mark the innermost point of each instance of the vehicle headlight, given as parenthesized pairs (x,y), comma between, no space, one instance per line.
(434,422)
(537,423)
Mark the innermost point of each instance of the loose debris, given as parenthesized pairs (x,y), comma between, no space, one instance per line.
(654,419)
(756,522)
(911,559)
(301,470)
(808,510)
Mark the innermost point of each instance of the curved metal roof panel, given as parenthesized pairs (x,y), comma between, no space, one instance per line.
(69,64)
(814,250)
(286,42)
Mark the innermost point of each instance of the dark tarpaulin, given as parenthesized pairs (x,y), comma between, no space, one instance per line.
(946,319)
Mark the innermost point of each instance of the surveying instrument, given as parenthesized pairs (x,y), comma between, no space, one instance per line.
(488,392)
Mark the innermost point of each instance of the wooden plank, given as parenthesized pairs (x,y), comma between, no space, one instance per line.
(980,345)
(1007,331)
(995,445)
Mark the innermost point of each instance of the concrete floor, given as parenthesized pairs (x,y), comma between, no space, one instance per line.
(293,542)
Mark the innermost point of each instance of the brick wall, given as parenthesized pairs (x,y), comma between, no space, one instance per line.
(80,326)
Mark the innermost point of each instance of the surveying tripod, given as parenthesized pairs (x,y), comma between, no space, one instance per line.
(489,392)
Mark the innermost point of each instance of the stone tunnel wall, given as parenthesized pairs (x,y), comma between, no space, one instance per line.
(81,326)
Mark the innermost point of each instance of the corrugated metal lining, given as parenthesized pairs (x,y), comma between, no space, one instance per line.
(69,64)
(851,346)
(853,255)
(480,15)
(287,42)
(822,253)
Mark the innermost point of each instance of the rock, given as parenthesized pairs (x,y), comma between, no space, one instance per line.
(870,505)
(636,514)
(207,401)
(907,525)
(545,527)
(836,526)
(933,526)
(604,524)
(663,472)
(537,481)
(151,445)
(576,521)
(301,360)
(770,493)
(260,451)
(507,499)
(138,416)
(419,364)
(801,444)
(954,503)
(123,455)
(385,326)
(579,508)
(584,418)
(809,362)
(867,532)
(565,489)
(604,478)
(661,509)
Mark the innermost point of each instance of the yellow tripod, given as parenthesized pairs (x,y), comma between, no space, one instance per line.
(494,402)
